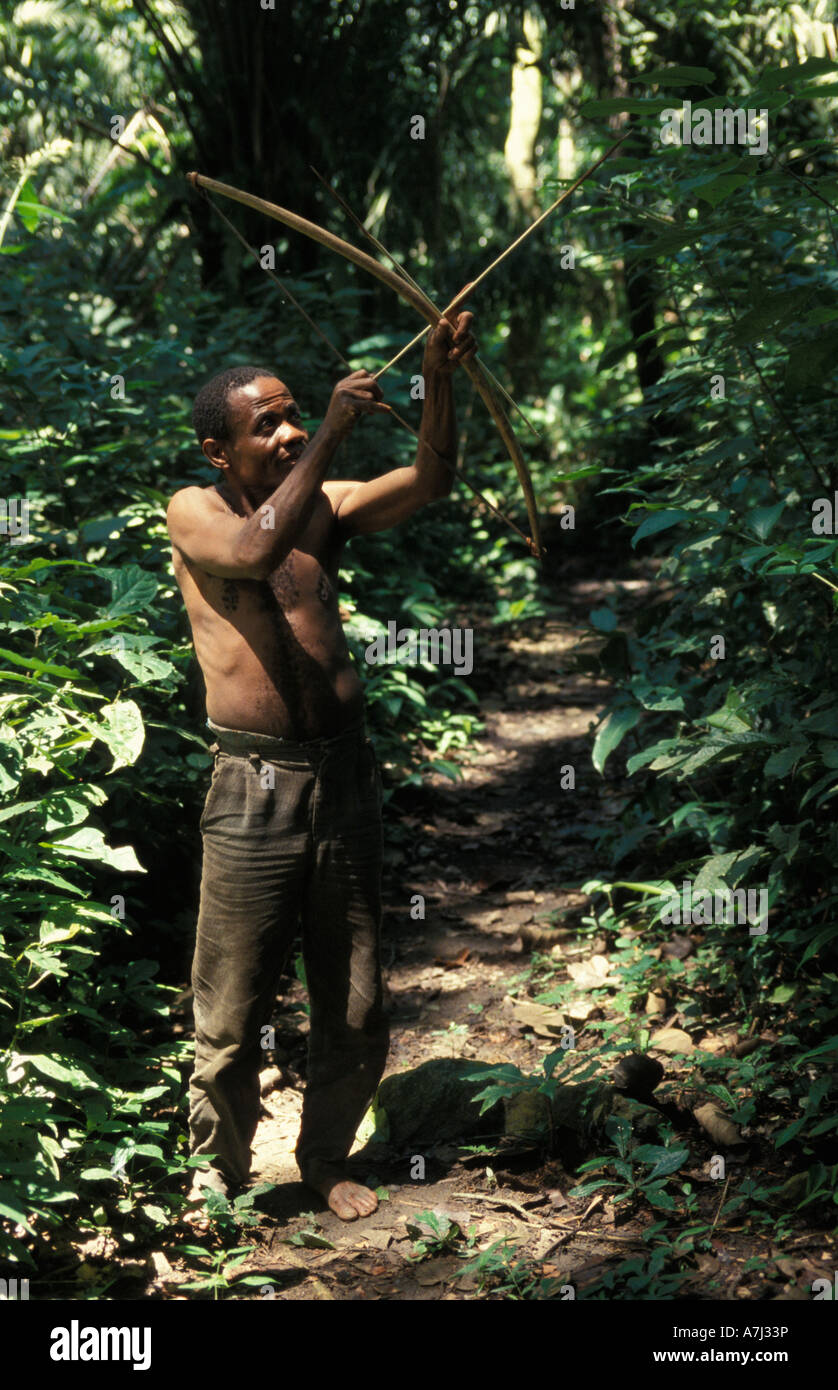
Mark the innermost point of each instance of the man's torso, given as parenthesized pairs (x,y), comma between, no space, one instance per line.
(273,652)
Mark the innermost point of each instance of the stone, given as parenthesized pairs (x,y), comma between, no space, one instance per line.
(432,1103)
(637,1075)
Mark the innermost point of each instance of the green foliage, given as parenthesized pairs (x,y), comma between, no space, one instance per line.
(218,1269)
(309,1235)
(729,749)
(629,1181)
(120,298)
(503,1272)
(433,1233)
(103,765)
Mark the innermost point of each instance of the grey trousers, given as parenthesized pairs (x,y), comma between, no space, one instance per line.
(291,836)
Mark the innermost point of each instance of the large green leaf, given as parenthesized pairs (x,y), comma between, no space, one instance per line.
(665,1160)
(612,731)
(121,727)
(677,77)
(614,106)
(659,521)
(132,590)
(12,1207)
(89,843)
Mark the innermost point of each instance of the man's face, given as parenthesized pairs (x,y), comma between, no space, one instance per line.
(266,435)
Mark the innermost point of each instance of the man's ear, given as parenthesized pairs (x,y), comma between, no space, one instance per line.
(215,450)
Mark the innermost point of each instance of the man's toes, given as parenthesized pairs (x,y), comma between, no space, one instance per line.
(343,1208)
(350,1200)
(363,1201)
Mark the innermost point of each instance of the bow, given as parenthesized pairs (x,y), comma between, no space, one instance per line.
(483,383)
(405,291)
(292,299)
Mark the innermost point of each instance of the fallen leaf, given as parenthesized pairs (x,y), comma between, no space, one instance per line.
(539,1018)
(592,973)
(716,1043)
(679,947)
(378,1239)
(655,1004)
(672,1040)
(580,1010)
(721,1129)
(453,962)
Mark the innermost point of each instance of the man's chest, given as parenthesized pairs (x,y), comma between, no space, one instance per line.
(302,580)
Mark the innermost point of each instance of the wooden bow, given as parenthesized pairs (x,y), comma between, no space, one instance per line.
(407,290)
(414,297)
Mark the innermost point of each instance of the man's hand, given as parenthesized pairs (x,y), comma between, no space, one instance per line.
(362,508)
(358,394)
(449,345)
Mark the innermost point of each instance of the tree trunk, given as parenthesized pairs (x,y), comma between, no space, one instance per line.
(639,280)
(525,115)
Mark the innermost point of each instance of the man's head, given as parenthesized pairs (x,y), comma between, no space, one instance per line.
(249,426)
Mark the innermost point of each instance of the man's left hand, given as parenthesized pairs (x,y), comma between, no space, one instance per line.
(449,344)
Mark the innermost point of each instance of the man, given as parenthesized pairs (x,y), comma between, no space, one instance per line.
(292,822)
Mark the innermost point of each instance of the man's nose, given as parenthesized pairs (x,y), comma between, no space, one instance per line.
(290,434)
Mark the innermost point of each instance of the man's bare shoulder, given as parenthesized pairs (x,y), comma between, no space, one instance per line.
(189,501)
(337,491)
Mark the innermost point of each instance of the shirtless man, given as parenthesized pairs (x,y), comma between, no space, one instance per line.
(292,822)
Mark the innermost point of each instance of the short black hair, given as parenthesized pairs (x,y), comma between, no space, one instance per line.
(209,412)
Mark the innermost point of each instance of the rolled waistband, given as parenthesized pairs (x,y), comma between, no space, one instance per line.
(244,743)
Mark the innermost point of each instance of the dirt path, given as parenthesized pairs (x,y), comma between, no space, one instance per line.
(494,856)
(490,855)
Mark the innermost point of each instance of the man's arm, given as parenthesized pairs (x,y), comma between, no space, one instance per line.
(202,528)
(385,501)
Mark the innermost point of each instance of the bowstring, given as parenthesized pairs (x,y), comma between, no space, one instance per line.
(457,473)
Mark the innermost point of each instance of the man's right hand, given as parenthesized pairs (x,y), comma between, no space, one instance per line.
(358,394)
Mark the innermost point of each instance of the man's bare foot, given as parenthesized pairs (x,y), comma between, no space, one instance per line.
(204,1180)
(194,1214)
(195,1217)
(348,1200)
(208,1180)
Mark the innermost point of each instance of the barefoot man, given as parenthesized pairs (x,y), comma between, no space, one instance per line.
(291,827)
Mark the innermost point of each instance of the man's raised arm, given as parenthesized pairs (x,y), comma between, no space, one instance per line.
(385,501)
(202,528)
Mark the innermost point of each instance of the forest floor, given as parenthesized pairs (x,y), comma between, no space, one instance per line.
(494,856)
